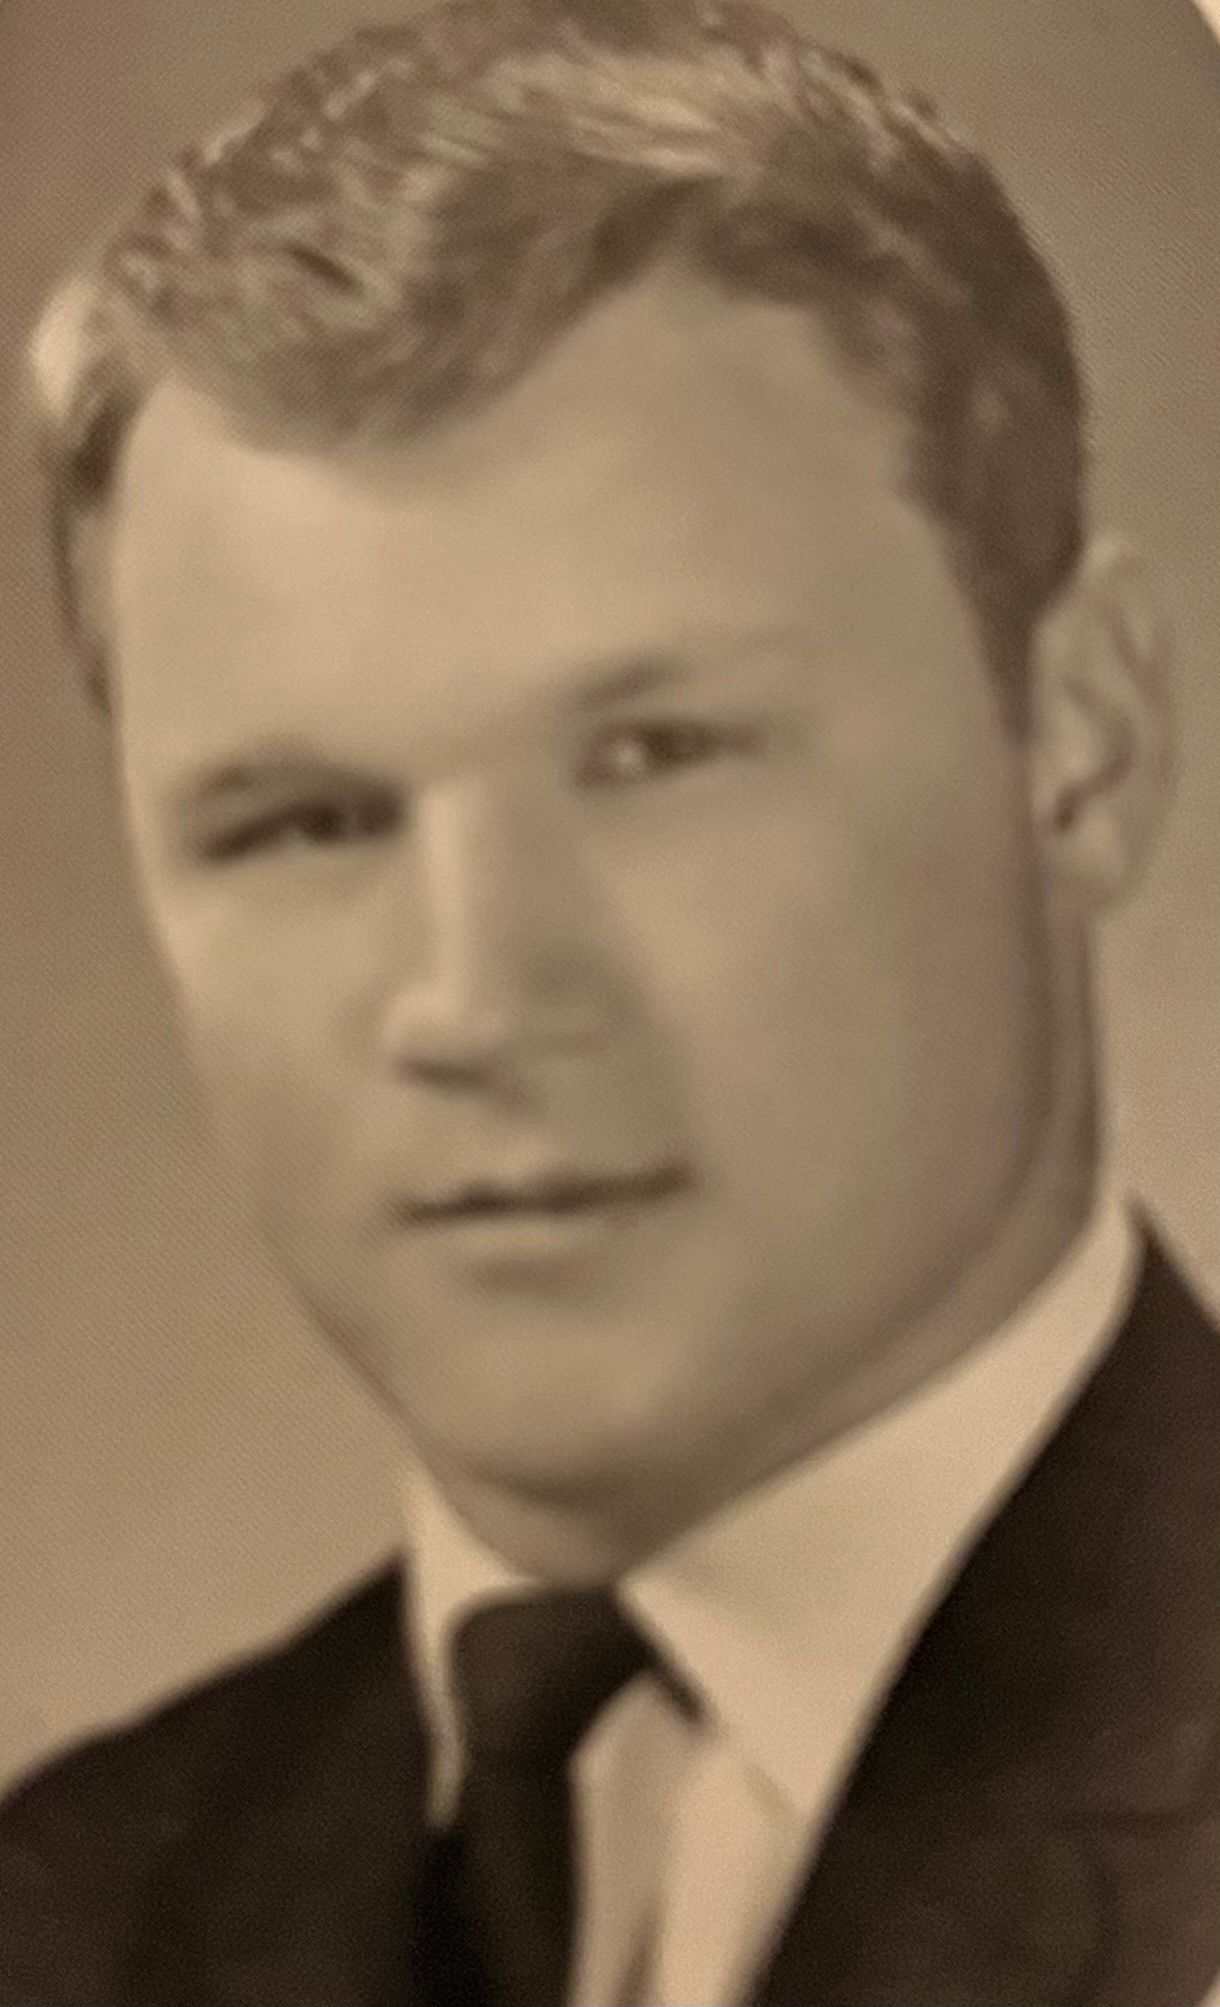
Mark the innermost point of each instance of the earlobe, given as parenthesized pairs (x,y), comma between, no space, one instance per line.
(1100,754)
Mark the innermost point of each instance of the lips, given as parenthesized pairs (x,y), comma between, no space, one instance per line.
(554,1195)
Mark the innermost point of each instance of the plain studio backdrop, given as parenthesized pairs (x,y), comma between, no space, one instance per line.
(183,1469)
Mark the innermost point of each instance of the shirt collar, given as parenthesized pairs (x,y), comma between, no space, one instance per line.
(789,1612)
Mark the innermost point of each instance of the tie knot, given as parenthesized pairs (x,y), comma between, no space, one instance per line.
(530,1676)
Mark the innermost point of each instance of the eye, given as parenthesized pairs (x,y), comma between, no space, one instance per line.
(655,749)
(324,823)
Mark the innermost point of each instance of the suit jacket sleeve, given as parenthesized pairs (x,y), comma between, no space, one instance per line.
(73,1856)
(84,1837)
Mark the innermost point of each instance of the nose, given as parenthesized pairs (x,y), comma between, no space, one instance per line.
(512,964)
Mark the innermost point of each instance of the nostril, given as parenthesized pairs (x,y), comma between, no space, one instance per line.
(447,1070)
(321,265)
(454,1047)
(445,1038)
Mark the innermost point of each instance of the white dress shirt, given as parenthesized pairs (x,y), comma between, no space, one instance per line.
(788,1614)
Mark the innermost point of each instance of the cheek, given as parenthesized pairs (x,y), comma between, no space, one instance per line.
(259,1024)
(859,979)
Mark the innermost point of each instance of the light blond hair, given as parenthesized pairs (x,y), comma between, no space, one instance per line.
(400,227)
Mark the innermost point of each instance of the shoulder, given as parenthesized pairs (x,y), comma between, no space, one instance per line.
(179,1740)
(83,1834)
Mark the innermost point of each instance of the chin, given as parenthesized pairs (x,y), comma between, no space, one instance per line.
(577,1463)
(544,1453)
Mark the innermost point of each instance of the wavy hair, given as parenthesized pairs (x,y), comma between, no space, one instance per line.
(399,228)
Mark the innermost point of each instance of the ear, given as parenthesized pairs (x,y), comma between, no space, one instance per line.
(1101,752)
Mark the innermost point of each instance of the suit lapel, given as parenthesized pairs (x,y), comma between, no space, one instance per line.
(298,1888)
(1035,1818)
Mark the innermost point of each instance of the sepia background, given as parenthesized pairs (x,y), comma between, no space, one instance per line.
(183,1470)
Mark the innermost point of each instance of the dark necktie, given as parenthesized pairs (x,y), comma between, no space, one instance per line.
(529,1680)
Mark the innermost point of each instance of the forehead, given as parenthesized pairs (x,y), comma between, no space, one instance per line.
(670,364)
(677,456)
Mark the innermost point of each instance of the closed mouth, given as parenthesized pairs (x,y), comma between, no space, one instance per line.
(551,1197)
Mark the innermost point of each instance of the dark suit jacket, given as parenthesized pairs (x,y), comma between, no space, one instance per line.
(1035,1821)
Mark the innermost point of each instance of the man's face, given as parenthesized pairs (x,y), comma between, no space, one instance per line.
(607,789)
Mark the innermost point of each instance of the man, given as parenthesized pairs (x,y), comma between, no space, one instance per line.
(575,514)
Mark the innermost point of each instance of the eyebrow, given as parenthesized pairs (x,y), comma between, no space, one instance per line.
(599,685)
(602,683)
(265,760)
